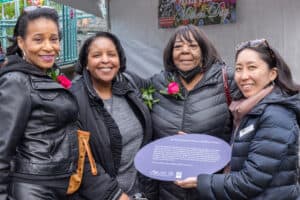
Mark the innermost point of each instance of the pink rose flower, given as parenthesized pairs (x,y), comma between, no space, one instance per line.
(64,81)
(173,88)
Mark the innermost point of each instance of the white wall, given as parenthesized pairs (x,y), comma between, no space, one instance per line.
(136,23)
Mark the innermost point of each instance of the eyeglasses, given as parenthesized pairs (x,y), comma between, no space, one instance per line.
(33,8)
(256,43)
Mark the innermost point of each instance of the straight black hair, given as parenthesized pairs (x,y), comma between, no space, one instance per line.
(84,50)
(270,56)
(209,53)
(22,24)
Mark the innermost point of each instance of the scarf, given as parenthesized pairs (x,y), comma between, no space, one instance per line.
(241,107)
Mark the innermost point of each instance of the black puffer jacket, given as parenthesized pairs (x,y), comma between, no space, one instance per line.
(37,126)
(105,137)
(265,155)
(203,110)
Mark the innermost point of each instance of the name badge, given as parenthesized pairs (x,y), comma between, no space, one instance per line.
(246,130)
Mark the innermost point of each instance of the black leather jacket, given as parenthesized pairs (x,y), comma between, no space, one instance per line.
(38,126)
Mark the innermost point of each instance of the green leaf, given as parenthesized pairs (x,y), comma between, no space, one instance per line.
(147,96)
(164,92)
(144,96)
(56,72)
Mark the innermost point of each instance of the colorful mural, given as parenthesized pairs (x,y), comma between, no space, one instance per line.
(173,13)
(35,2)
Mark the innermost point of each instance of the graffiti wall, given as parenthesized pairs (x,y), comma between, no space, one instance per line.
(35,2)
(173,13)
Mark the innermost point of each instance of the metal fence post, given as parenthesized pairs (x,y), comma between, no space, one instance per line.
(69,30)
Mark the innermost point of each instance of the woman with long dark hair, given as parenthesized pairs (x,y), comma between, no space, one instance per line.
(38,140)
(265,152)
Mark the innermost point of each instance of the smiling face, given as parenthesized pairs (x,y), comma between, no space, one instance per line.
(252,74)
(186,55)
(41,43)
(103,60)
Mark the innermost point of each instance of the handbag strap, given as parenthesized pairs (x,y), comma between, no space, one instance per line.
(226,86)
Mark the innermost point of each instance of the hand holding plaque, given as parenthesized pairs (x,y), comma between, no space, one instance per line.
(180,156)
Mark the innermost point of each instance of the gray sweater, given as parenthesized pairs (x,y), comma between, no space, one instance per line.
(132,136)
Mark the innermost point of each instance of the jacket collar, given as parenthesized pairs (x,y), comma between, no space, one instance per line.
(16,63)
(209,77)
(119,87)
(277,96)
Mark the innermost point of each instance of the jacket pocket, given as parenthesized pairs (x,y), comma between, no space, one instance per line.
(48,96)
(47,88)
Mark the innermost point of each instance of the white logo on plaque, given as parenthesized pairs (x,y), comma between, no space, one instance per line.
(178,175)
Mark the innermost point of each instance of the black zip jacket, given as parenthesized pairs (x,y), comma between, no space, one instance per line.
(265,155)
(105,139)
(203,110)
(38,140)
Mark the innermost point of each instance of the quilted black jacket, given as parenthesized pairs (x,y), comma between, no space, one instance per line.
(265,155)
(203,110)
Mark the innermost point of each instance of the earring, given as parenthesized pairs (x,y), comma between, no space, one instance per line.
(87,68)
(273,82)
(58,56)
(24,55)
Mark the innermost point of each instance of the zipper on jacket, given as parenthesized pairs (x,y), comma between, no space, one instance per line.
(183,111)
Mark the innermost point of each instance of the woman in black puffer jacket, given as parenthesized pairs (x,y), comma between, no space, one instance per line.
(265,157)
(195,101)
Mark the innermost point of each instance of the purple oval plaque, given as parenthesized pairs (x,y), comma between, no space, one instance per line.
(181,156)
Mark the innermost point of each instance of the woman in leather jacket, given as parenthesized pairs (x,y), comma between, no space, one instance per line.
(112,111)
(264,164)
(38,140)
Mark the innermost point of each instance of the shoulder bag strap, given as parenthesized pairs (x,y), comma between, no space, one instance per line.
(226,86)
